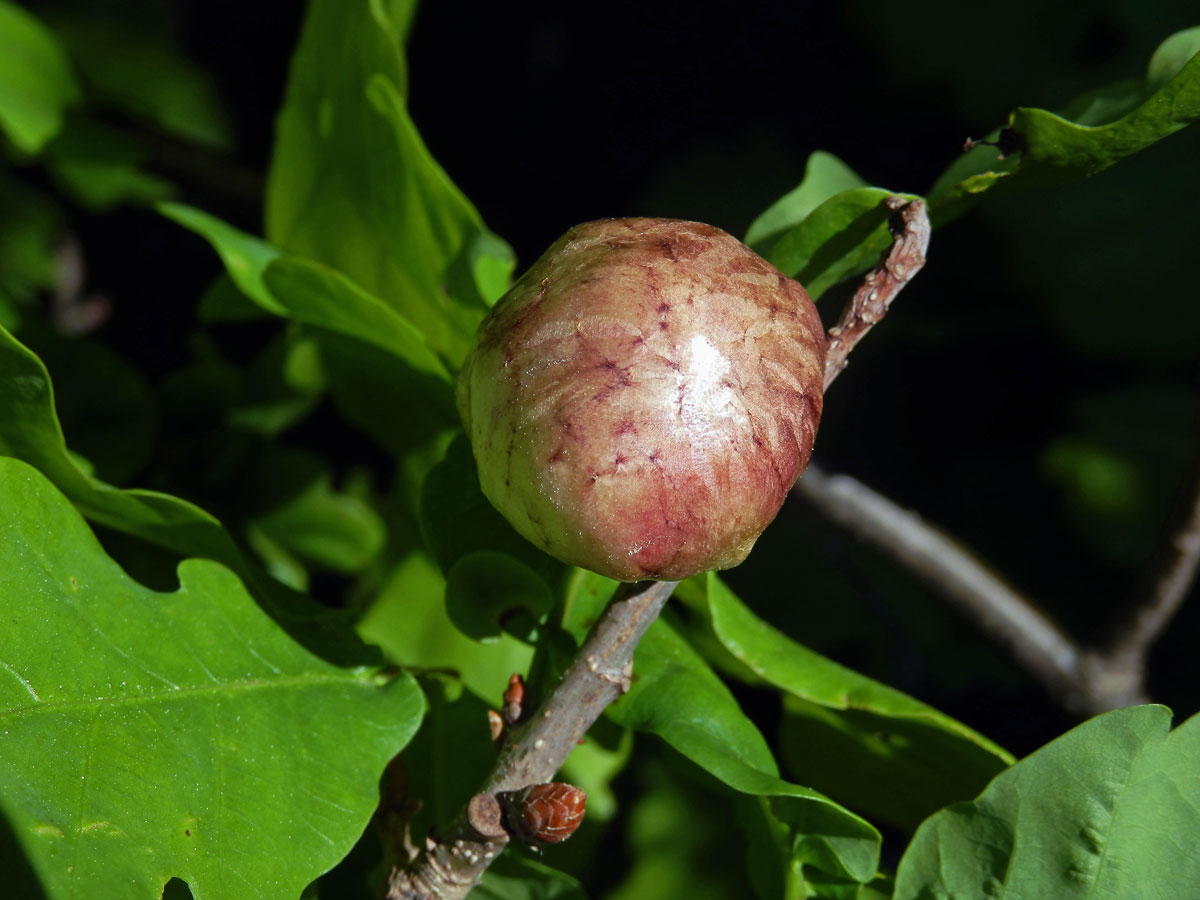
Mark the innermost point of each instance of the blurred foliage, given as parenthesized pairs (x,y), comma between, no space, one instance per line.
(282,410)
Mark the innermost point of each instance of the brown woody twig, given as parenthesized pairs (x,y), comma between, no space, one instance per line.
(1084,680)
(534,750)
(870,303)
(1036,642)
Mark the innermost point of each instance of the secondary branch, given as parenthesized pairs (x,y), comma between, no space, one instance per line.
(536,749)
(1084,680)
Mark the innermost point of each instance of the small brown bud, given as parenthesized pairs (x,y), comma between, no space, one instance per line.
(545,813)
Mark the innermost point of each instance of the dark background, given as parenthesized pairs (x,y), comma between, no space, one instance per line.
(1032,393)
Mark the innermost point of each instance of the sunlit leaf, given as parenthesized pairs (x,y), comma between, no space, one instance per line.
(842,237)
(676,696)
(317,295)
(1086,137)
(309,292)
(353,186)
(30,431)
(1053,146)
(865,743)
(245,256)
(163,737)
(408,621)
(36,83)
(824,176)
(1108,811)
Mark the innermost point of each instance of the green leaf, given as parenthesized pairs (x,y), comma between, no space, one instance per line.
(245,256)
(101,167)
(457,519)
(1171,56)
(30,229)
(1116,465)
(29,431)
(308,292)
(489,592)
(174,734)
(104,404)
(683,835)
(676,696)
(353,186)
(959,187)
(36,84)
(279,563)
(841,238)
(1053,147)
(824,176)
(870,745)
(335,530)
(1091,134)
(686,704)
(1108,811)
(281,386)
(450,756)
(592,767)
(408,621)
(517,878)
(114,53)
(317,295)
(384,397)
(224,301)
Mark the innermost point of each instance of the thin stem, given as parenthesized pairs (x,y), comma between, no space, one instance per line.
(897,267)
(1010,618)
(1085,681)
(1170,576)
(599,673)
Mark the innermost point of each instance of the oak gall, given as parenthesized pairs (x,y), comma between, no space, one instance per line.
(642,399)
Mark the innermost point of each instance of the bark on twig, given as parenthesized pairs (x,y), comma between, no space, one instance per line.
(1118,670)
(1012,620)
(1085,681)
(870,303)
(537,748)
(1170,575)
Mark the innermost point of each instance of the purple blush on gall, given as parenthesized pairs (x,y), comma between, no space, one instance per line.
(642,399)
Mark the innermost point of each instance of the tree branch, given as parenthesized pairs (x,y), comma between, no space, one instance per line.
(1085,681)
(1012,620)
(536,749)
(897,267)
(1170,575)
